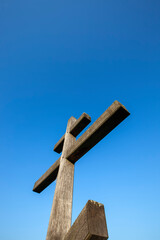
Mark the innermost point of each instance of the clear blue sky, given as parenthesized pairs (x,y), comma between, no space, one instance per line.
(60,59)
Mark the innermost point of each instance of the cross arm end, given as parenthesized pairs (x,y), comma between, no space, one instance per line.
(47,178)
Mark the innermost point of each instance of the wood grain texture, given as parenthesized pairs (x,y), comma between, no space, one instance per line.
(90,224)
(113,116)
(77,127)
(61,213)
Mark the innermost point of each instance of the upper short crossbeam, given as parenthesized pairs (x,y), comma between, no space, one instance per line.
(77,127)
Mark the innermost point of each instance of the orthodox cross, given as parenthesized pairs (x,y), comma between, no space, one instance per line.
(91,223)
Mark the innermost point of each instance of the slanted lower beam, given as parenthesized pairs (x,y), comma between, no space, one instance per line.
(113,116)
(90,224)
(47,178)
(77,127)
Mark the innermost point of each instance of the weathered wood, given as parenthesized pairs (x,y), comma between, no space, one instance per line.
(61,213)
(77,127)
(114,115)
(47,178)
(90,224)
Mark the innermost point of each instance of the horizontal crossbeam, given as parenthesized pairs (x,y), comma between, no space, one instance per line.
(79,125)
(90,224)
(113,116)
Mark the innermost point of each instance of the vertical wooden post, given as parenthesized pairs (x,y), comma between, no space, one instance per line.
(61,213)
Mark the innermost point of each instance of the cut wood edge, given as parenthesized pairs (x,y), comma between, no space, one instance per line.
(90,224)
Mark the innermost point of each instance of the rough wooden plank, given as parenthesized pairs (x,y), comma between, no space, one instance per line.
(90,224)
(77,127)
(47,178)
(61,213)
(113,116)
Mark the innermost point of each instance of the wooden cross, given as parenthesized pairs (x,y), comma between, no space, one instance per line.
(91,223)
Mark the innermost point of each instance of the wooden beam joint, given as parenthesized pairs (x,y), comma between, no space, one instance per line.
(77,127)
